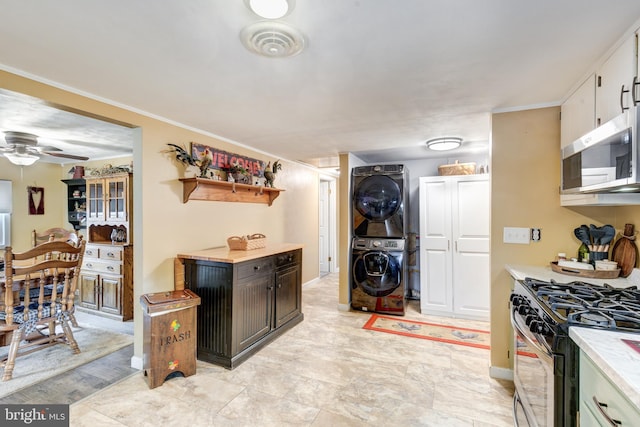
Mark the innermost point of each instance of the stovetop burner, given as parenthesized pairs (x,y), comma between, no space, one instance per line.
(584,304)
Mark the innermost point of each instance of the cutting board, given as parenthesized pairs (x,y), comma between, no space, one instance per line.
(625,251)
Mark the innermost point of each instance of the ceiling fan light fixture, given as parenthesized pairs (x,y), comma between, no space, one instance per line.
(21,159)
(270,9)
(444,143)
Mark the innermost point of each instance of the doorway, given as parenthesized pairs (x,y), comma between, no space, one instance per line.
(327,225)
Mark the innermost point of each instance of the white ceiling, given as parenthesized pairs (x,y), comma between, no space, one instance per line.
(375,77)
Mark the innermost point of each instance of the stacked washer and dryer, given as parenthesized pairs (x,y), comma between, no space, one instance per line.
(380,226)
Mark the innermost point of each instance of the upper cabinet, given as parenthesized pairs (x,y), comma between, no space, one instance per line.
(603,95)
(109,208)
(614,80)
(578,112)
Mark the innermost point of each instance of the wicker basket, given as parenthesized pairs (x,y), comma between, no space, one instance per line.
(247,243)
(457,169)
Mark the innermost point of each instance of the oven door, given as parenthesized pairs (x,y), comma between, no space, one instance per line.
(533,377)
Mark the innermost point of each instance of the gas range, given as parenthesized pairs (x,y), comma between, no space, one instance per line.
(584,304)
(541,314)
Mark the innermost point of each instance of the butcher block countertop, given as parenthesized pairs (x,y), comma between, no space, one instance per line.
(224,254)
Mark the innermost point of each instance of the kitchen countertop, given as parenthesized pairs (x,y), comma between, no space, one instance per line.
(519,272)
(224,254)
(616,359)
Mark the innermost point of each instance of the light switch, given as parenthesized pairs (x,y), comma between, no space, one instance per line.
(518,235)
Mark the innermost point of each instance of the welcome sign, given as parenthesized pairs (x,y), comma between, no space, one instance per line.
(223,160)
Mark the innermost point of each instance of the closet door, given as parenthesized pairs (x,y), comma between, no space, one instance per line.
(471,229)
(435,246)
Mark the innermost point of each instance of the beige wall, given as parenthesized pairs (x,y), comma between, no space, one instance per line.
(164,226)
(525,165)
(44,175)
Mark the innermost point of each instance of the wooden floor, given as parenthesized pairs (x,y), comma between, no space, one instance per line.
(78,383)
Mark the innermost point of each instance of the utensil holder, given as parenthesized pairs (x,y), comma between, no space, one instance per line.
(597,256)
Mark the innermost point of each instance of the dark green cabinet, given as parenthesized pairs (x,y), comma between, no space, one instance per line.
(76,202)
(245,305)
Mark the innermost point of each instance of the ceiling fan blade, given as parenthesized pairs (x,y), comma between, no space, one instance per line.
(66,156)
(44,148)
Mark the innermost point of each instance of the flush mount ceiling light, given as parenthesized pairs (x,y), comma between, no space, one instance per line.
(270,9)
(444,144)
(272,39)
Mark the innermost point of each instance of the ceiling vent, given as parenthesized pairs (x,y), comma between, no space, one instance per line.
(272,39)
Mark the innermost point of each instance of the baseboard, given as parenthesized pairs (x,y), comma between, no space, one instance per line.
(501,373)
(137,363)
(344,307)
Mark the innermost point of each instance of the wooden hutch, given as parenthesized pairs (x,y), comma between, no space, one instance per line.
(106,281)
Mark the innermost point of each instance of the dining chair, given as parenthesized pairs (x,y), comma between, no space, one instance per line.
(54,234)
(57,235)
(37,299)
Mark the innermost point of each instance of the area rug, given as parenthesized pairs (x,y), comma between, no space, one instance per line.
(49,362)
(432,331)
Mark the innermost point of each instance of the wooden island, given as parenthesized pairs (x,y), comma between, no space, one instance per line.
(248,298)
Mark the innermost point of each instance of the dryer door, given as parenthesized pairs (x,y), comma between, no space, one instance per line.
(377,273)
(377,207)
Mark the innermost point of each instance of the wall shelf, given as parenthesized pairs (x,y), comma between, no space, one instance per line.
(223,191)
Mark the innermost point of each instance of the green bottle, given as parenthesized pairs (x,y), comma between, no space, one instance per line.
(583,253)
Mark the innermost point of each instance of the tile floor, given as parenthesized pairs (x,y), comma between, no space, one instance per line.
(326,371)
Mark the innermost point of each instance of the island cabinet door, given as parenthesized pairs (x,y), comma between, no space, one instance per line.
(288,298)
(252,310)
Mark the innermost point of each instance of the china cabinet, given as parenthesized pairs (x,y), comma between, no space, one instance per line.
(106,282)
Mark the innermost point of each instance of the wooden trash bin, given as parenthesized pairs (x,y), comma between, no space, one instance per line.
(169,331)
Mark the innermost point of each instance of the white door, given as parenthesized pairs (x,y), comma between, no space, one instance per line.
(324,226)
(470,228)
(454,245)
(435,246)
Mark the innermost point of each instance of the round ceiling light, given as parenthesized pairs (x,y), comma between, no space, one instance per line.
(270,9)
(272,39)
(444,144)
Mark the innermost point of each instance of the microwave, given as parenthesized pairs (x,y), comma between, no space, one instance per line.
(604,160)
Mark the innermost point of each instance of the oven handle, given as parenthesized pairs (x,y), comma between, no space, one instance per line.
(516,401)
(601,406)
(542,351)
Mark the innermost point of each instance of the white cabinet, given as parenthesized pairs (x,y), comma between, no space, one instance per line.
(614,80)
(454,245)
(602,96)
(601,402)
(578,112)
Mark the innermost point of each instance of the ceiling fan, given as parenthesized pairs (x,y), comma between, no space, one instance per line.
(22,149)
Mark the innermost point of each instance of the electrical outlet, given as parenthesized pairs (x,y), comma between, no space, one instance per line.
(518,235)
(536,235)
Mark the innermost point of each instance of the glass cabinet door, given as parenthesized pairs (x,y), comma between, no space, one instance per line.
(117,199)
(95,200)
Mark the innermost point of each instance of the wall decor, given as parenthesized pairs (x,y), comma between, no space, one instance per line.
(36,200)
(222,162)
